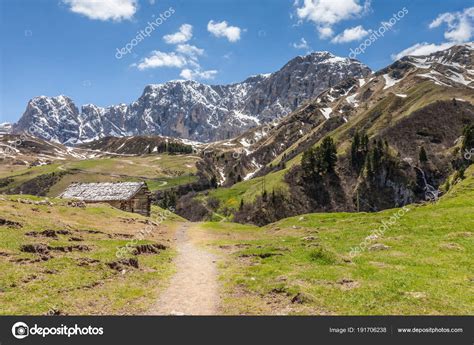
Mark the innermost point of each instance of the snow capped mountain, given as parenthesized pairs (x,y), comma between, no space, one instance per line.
(189,109)
(361,103)
(5,127)
(452,68)
(50,118)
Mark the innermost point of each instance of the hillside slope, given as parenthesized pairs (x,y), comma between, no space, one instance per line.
(60,259)
(419,264)
(398,106)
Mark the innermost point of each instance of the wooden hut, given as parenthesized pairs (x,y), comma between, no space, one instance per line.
(127,196)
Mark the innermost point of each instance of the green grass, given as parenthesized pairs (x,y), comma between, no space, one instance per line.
(31,172)
(427,269)
(60,283)
(23,175)
(170,182)
(249,190)
(149,166)
(159,171)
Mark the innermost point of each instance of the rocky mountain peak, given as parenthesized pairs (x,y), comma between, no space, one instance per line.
(456,56)
(192,110)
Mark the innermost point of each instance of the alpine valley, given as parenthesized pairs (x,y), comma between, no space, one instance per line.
(282,175)
(378,123)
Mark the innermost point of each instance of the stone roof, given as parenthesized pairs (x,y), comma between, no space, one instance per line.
(102,191)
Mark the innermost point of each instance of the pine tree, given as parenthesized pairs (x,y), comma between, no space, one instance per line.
(359,149)
(329,154)
(213,181)
(468,140)
(365,143)
(369,166)
(423,156)
(308,162)
(264,195)
(447,186)
(318,161)
(241,207)
(355,150)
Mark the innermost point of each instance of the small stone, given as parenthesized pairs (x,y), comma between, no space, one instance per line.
(372,237)
(301,298)
(416,294)
(378,246)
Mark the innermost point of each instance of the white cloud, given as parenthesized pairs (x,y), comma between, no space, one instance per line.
(184,34)
(186,73)
(189,50)
(422,49)
(185,56)
(351,34)
(325,32)
(460,30)
(222,29)
(326,13)
(161,59)
(460,25)
(301,44)
(197,74)
(115,10)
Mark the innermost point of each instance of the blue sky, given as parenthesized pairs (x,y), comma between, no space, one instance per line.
(53,47)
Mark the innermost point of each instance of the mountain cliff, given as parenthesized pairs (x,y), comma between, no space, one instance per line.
(412,116)
(189,109)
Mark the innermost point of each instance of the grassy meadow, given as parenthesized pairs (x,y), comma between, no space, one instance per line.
(423,264)
(158,171)
(73,281)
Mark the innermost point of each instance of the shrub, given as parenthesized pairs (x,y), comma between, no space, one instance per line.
(322,256)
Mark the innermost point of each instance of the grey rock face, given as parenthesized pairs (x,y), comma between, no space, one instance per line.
(55,118)
(192,110)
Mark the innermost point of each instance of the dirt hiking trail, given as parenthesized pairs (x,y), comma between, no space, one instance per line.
(193,290)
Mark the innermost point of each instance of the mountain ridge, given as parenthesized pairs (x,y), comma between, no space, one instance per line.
(401,107)
(189,109)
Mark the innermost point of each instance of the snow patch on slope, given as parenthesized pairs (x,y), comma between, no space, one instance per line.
(389,81)
(326,112)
